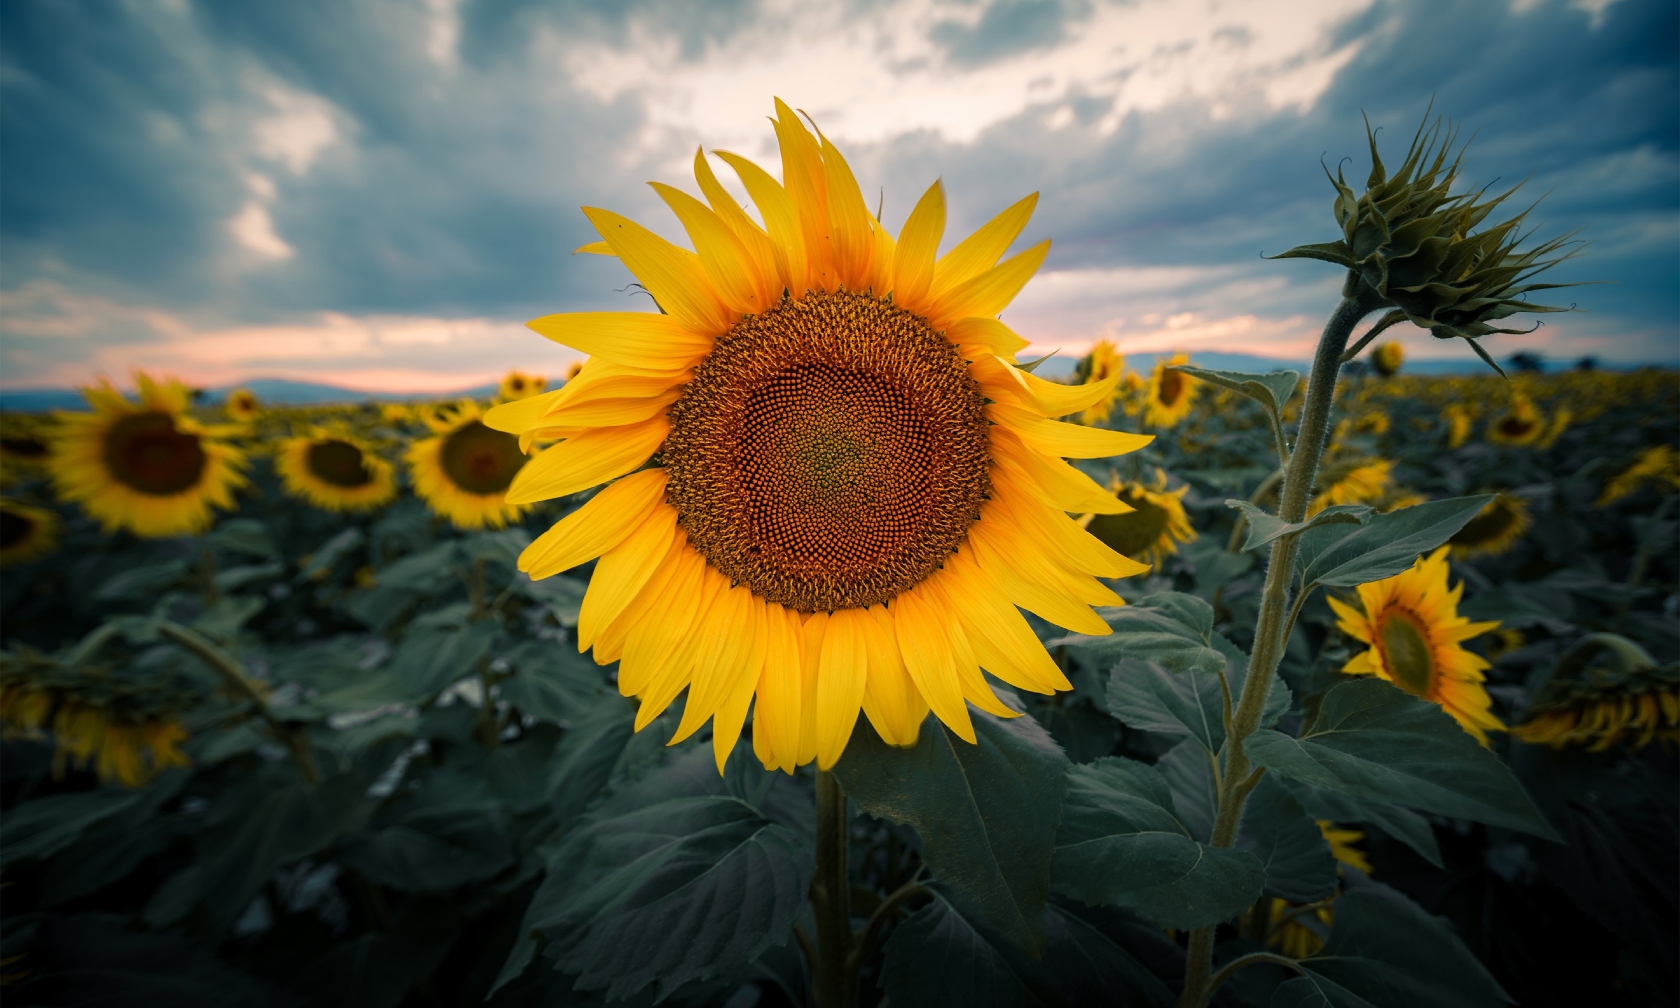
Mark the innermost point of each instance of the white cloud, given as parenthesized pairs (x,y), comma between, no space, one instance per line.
(253,228)
(299,129)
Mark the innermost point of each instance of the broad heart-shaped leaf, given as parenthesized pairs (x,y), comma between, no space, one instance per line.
(449,833)
(1278,831)
(944,954)
(551,681)
(1376,742)
(680,890)
(45,826)
(1384,951)
(433,654)
(1143,695)
(986,813)
(1402,824)
(1270,390)
(1385,545)
(1264,527)
(1171,628)
(1120,843)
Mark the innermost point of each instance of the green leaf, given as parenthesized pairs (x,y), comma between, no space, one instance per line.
(1375,742)
(1171,628)
(681,890)
(429,659)
(946,955)
(1145,696)
(320,562)
(1402,824)
(145,583)
(1120,843)
(986,813)
(242,535)
(377,969)
(45,826)
(1264,527)
(1384,951)
(584,760)
(1331,252)
(115,846)
(1385,545)
(552,682)
(450,832)
(1269,390)
(1278,831)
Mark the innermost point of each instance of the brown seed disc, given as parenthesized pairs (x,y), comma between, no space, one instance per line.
(145,452)
(339,463)
(1172,388)
(481,460)
(829,453)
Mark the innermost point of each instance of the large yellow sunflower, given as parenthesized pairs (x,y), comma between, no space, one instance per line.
(519,385)
(1497,527)
(26,533)
(336,471)
(464,472)
(1152,525)
(1411,624)
(146,467)
(1104,361)
(1170,393)
(854,487)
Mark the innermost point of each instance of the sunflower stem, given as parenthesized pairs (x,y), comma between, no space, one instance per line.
(1299,474)
(831,899)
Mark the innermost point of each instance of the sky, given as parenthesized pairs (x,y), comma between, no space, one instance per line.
(379,194)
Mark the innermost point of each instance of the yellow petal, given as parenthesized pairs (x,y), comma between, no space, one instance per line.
(781,219)
(726,261)
(1003,642)
(599,248)
(1079,548)
(802,177)
(850,232)
(603,412)
(1065,440)
(603,522)
(780,689)
(671,664)
(1044,602)
(926,648)
(989,293)
(622,573)
(752,237)
(1040,562)
(592,457)
(894,706)
(842,674)
(918,245)
(815,627)
(521,415)
(1004,382)
(732,710)
(976,336)
(636,339)
(723,647)
(981,250)
(1051,480)
(964,658)
(672,275)
(664,612)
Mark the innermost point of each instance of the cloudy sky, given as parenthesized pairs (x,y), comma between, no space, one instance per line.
(379,194)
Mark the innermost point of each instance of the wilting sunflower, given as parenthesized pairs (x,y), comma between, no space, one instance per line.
(1150,528)
(1658,466)
(1457,418)
(241,405)
(855,486)
(1387,358)
(465,471)
(26,533)
(1519,425)
(1360,482)
(147,466)
(518,385)
(1605,690)
(1170,393)
(336,471)
(1415,634)
(1497,527)
(1104,361)
(119,750)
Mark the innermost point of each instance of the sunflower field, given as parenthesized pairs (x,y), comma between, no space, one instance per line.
(397,704)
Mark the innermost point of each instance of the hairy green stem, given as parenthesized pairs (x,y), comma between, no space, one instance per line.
(831,899)
(1299,474)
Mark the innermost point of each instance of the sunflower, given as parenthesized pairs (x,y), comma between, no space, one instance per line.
(518,385)
(855,486)
(1457,418)
(26,533)
(119,750)
(1387,358)
(1170,393)
(1659,466)
(241,405)
(395,412)
(336,471)
(1361,482)
(1151,527)
(1497,527)
(1605,690)
(1519,425)
(25,442)
(1561,419)
(1103,361)
(1411,624)
(465,471)
(146,467)
(1504,641)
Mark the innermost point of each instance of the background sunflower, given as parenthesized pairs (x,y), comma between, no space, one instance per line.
(336,471)
(464,472)
(1497,527)
(26,533)
(1169,394)
(1153,525)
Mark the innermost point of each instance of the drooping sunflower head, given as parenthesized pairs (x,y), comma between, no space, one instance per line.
(144,466)
(1497,527)
(519,385)
(1658,466)
(1458,421)
(1151,528)
(26,533)
(1415,636)
(1604,691)
(335,470)
(1103,362)
(464,471)
(853,486)
(1519,425)
(1170,393)
(1387,358)
(241,405)
(1358,481)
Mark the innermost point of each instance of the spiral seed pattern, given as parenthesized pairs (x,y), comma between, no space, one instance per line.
(829,453)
